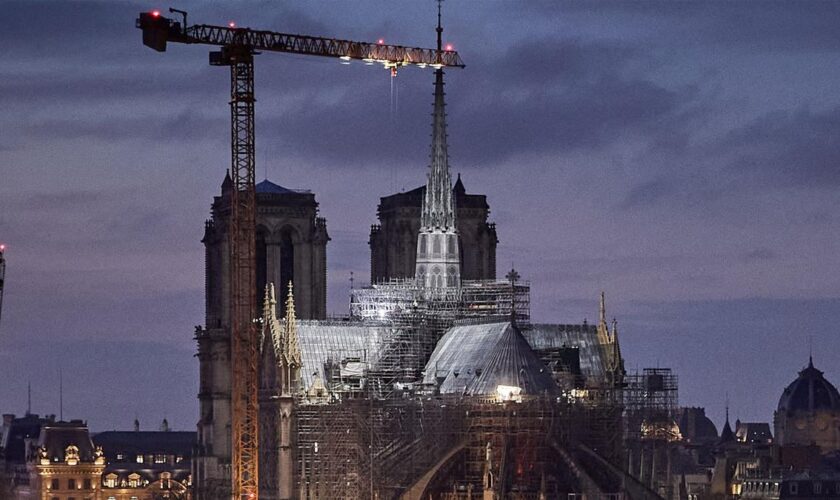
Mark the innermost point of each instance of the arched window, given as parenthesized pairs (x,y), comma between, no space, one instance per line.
(262,263)
(287,263)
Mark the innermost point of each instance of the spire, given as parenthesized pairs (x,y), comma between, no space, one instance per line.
(438,263)
(439,29)
(227,182)
(269,302)
(439,204)
(602,311)
(459,187)
(291,349)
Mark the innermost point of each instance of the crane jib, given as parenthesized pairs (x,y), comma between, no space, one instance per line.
(158,30)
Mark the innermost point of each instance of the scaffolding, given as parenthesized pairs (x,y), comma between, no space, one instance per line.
(376,433)
(381,448)
(651,403)
(420,317)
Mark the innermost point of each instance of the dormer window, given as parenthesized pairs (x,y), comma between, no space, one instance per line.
(71,455)
(111,480)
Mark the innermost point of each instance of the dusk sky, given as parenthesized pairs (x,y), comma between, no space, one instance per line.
(682,157)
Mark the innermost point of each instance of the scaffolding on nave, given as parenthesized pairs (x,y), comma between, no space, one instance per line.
(421,316)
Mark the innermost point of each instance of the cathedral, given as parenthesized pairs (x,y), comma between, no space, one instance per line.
(437,385)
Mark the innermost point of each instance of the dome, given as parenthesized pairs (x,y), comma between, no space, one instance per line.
(696,427)
(810,391)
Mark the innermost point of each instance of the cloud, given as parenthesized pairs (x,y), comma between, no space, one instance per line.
(647,193)
(786,148)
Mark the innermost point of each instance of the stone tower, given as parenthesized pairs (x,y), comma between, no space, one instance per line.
(291,243)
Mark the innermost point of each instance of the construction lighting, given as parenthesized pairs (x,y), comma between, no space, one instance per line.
(508,392)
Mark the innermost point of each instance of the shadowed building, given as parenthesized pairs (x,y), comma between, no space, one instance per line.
(291,246)
(146,464)
(51,460)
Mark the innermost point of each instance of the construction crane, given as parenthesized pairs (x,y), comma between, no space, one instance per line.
(238,47)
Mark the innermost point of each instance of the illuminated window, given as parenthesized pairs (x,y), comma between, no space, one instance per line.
(111,480)
(139,459)
(160,459)
(179,459)
(120,457)
(133,480)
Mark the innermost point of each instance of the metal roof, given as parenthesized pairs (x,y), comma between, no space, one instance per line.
(475,359)
(336,342)
(542,337)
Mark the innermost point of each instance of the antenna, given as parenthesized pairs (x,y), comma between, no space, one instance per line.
(726,405)
(60,395)
(439,29)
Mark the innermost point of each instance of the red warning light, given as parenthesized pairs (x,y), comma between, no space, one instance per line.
(232,24)
(449,47)
(155,13)
(2,247)
(381,41)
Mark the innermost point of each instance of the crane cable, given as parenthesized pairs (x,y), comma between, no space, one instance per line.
(393,111)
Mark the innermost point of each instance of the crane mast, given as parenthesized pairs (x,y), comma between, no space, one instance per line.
(238,47)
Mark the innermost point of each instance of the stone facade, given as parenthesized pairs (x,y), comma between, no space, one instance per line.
(62,463)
